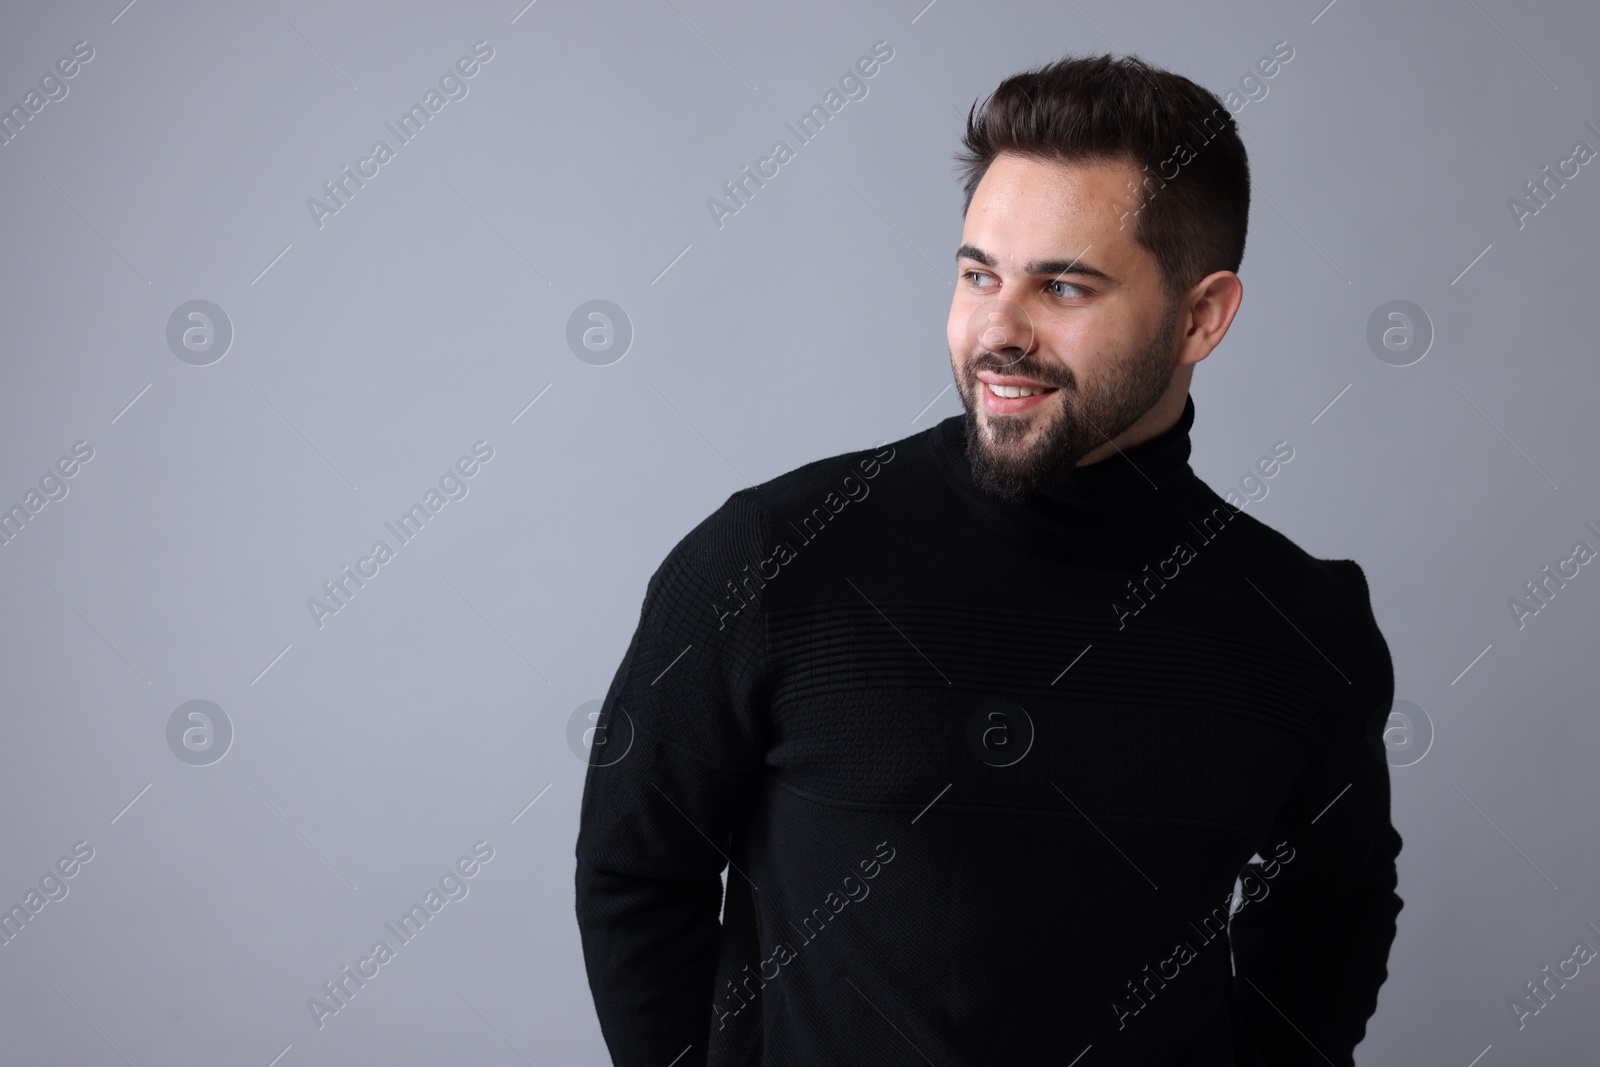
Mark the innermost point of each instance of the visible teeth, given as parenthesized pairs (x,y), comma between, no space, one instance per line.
(1012,390)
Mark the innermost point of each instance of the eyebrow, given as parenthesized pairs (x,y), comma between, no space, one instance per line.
(1044,267)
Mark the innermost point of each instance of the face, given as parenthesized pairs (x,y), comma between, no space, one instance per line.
(1061,337)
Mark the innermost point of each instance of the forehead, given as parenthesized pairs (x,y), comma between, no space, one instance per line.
(1027,208)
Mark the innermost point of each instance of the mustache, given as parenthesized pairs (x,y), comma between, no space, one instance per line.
(1021,367)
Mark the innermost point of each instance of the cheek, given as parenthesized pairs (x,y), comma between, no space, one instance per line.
(955,327)
(1082,339)
(1086,349)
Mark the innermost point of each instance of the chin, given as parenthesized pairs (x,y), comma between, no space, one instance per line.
(1017,432)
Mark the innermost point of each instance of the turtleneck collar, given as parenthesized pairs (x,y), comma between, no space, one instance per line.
(1139,490)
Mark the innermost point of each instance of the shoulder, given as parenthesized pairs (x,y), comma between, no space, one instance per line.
(846,475)
(740,531)
(1328,602)
(1263,553)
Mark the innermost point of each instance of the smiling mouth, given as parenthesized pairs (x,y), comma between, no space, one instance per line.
(1012,391)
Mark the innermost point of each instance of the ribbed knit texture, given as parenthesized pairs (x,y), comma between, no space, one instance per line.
(811,696)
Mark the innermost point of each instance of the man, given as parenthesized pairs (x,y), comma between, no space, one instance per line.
(985,724)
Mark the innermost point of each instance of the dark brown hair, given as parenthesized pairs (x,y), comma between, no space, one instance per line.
(1193,203)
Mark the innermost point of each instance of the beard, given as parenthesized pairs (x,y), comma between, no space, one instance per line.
(1003,458)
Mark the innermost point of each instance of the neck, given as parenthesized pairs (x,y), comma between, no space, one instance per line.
(1162,416)
(1136,494)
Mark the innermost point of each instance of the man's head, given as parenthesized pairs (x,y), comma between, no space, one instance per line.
(1106,207)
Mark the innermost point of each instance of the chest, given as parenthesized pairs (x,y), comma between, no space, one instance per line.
(886,703)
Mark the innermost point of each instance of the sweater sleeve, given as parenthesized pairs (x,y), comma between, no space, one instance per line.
(1311,953)
(683,734)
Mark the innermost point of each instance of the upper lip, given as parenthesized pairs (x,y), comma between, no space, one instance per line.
(991,378)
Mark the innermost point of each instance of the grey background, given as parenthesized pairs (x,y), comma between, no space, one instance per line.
(371,353)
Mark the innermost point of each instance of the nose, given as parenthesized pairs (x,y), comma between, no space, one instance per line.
(1001,325)
(997,334)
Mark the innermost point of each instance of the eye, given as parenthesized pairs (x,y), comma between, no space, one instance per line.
(1078,290)
(973,276)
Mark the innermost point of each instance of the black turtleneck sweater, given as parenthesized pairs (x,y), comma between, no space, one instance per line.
(984,775)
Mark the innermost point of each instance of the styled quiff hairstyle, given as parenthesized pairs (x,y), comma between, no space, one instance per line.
(1192,204)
